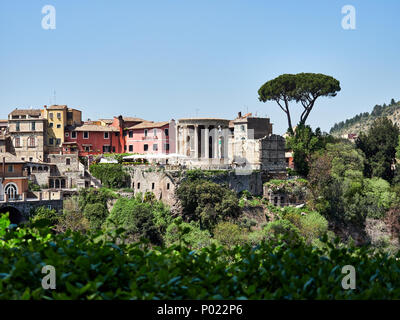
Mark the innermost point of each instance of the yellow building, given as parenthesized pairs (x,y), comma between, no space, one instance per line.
(59,117)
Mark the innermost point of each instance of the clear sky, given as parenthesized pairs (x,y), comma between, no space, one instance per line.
(164,59)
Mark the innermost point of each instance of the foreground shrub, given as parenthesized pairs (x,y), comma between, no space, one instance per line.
(90,267)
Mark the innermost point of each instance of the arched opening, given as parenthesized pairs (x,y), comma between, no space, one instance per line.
(63,184)
(14,215)
(11,190)
(57,184)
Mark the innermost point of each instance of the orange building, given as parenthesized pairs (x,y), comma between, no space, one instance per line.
(14,179)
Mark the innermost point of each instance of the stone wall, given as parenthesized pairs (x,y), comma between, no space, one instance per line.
(163,183)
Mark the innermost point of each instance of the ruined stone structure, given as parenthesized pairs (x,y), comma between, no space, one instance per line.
(163,183)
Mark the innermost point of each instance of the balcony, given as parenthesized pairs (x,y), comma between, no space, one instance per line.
(150,138)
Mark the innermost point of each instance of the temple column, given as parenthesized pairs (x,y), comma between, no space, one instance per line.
(206,142)
(185,146)
(196,141)
(177,140)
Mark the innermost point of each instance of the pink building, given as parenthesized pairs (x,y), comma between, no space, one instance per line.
(150,138)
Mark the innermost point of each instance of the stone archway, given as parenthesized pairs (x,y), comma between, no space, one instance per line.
(15,215)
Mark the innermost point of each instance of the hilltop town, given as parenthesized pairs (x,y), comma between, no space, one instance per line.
(46,154)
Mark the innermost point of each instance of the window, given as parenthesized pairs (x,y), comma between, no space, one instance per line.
(130,134)
(51,124)
(23,159)
(68,161)
(10,168)
(73,134)
(152,186)
(154,132)
(58,142)
(167,147)
(58,126)
(51,141)
(146,147)
(106,149)
(125,133)
(87,148)
(113,148)
(106,135)
(167,186)
(242,127)
(131,148)
(166,131)
(67,134)
(117,134)
(51,115)
(138,185)
(85,135)
(33,126)
(31,141)
(69,115)
(17,142)
(124,148)
(58,115)
(17,128)
(155,147)
(145,132)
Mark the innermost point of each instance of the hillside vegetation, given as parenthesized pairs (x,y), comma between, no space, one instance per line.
(363,121)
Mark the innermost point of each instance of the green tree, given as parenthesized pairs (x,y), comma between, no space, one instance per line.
(207,202)
(304,143)
(305,88)
(111,175)
(379,146)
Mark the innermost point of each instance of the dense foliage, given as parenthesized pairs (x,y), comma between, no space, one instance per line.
(207,202)
(111,175)
(379,146)
(92,267)
(304,143)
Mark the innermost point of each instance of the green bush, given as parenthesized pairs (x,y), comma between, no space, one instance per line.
(136,217)
(207,202)
(111,175)
(188,234)
(229,234)
(96,214)
(90,268)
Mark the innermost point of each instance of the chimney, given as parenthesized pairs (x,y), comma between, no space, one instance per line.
(239,114)
(45,106)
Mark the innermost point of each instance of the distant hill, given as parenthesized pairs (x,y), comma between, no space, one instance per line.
(363,121)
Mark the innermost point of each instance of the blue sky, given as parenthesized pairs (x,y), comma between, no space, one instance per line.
(180,58)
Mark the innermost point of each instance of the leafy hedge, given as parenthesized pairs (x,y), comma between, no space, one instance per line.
(90,267)
(111,175)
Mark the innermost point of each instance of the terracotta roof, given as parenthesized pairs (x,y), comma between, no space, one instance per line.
(30,112)
(3,121)
(132,119)
(149,125)
(57,107)
(9,158)
(94,127)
